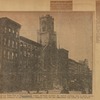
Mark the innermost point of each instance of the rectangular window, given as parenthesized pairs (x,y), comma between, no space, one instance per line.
(29,47)
(28,54)
(16,45)
(21,52)
(17,34)
(13,44)
(21,44)
(8,55)
(16,55)
(25,53)
(9,30)
(25,45)
(0,65)
(13,31)
(4,53)
(5,40)
(12,55)
(8,42)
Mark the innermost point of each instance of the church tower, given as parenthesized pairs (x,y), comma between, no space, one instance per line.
(47,38)
(46,34)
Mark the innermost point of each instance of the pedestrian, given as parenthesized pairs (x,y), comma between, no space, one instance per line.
(37,90)
(46,91)
(83,91)
(28,91)
(90,91)
(64,91)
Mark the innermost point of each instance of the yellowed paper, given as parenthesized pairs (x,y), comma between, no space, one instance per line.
(47,73)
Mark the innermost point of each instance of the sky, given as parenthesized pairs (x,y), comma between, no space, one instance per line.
(73,29)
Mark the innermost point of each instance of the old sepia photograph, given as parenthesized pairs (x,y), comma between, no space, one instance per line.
(46,52)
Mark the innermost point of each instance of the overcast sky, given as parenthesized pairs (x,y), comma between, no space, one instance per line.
(74,30)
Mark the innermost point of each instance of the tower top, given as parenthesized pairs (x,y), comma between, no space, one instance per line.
(47,24)
(46,32)
(5,21)
(47,17)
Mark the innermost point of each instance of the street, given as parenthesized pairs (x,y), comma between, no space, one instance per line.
(45,92)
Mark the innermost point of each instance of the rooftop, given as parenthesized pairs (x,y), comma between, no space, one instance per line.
(6,21)
(29,41)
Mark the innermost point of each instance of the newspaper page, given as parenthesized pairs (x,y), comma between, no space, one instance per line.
(47,49)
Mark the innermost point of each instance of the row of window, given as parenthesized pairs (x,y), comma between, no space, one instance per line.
(10,43)
(27,54)
(30,47)
(12,31)
(27,64)
(9,55)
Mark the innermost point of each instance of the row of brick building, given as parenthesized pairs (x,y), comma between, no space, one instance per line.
(29,65)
